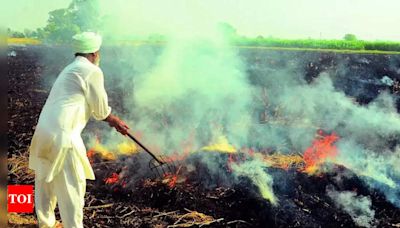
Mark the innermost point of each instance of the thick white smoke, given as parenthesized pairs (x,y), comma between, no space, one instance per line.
(358,207)
(198,88)
(197,91)
(365,131)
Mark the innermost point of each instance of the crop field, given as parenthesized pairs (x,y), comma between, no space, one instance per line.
(321,44)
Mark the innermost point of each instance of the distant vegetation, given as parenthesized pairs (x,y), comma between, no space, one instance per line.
(62,24)
(319,44)
(83,15)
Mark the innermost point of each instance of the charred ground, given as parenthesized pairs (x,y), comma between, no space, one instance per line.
(150,203)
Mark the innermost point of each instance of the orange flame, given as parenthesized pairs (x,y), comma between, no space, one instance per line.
(91,152)
(124,148)
(322,148)
(114,178)
(90,155)
(171,179)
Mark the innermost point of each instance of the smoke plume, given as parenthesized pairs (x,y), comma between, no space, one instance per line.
(197,89)
(358,207)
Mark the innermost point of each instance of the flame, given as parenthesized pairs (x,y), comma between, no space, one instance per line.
(103,152)
(91,152)
(114,178)
(90,155)
(125,148)
(115,181)
(221,144)
(322,148)
(171,179)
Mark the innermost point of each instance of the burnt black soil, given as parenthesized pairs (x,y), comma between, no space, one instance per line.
(302,199)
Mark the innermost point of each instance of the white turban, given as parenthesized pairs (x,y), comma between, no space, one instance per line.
(86,42)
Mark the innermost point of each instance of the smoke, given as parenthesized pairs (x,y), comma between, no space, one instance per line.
(255,170)
(379,169)
(367,133)
(197,89)
(197,86)
(358,207)
(194,93)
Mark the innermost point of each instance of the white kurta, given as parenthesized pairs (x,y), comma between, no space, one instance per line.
(77,94)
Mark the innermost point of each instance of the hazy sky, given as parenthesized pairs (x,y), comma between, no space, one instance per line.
(367,19)
(21,14)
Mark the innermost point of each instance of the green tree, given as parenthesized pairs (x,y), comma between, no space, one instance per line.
(17,34)
(30,33)
(62,24)
(350,37)
(86,14)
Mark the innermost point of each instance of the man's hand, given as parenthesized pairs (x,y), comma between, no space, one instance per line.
(118,124)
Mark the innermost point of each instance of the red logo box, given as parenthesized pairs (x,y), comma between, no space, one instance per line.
(20,198)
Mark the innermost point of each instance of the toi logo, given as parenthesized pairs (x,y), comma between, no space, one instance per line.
(20,198)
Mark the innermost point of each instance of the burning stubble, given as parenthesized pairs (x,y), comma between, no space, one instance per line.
(198,91)
(364,132)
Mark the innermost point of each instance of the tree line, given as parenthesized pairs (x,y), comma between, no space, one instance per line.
(83,15)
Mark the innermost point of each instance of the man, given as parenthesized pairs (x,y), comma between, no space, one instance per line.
(57,152)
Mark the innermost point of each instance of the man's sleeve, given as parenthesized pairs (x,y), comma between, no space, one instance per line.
(96,96)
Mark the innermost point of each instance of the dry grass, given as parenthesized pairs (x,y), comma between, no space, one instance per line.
(194,218)
(18,166)
(21,219)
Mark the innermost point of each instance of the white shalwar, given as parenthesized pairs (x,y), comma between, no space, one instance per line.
(57,152)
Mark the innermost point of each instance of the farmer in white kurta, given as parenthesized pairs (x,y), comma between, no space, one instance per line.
(57,152)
